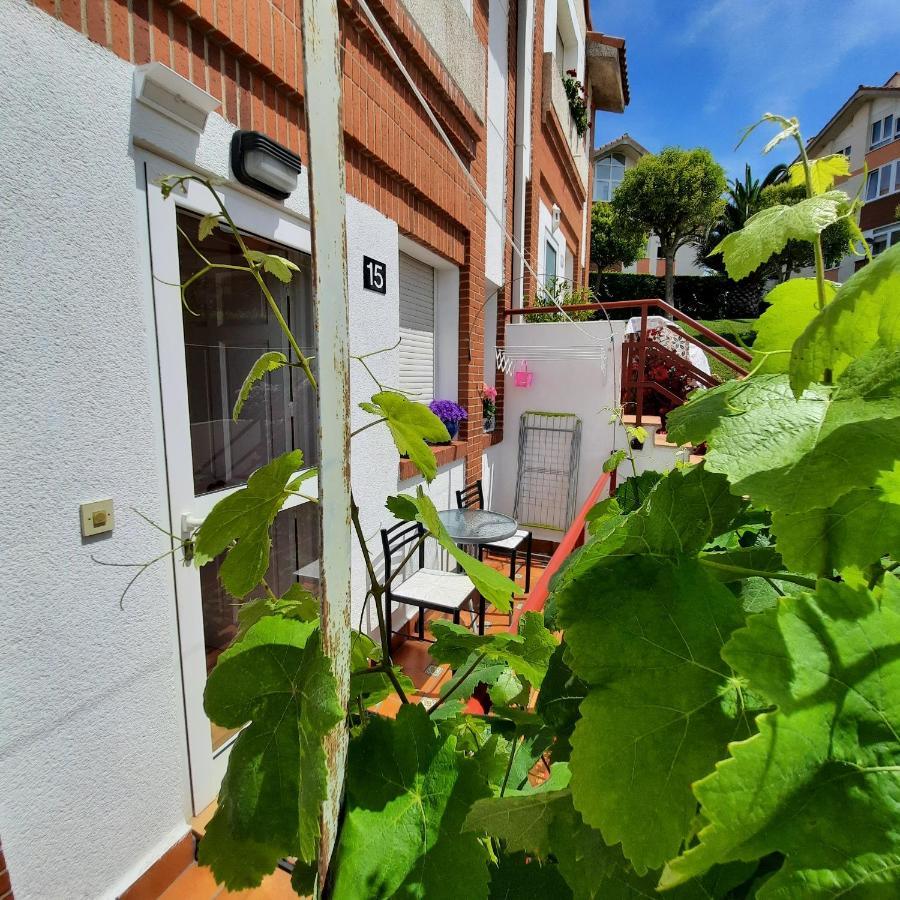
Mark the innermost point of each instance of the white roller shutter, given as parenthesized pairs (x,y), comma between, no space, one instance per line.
(416,328)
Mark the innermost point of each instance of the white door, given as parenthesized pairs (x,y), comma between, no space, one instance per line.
(206,349)
(416,328)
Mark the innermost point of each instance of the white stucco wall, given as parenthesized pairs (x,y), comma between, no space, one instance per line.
(570,385)
(497,108)
(94,779)
(93,774)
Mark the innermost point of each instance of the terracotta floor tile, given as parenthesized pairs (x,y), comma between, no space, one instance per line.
(195,883)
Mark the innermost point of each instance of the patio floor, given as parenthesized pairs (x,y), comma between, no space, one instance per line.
(197,883)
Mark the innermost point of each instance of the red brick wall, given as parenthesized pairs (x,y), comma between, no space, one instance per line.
(249,54)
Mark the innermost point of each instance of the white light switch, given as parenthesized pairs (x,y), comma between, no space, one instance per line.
(96,517)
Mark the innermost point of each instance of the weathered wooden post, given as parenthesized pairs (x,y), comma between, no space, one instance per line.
(325,134)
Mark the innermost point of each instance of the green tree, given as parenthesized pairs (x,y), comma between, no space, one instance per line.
(612,240)
(676,194)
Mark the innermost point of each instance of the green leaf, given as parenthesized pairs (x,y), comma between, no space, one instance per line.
(496,588)
(769,230)
(561,694)
(275,265)
(888,484)
(681,514)
(296,603)
(408,793)
(819,782)
(268,362)
(615,461)
(527,653)
(795,456)
(279,681)
(520,819)
(823,172)
(863,314)
(207,226)
(662,705)
(515,877)
(858,529)
(794,304)
(402,507)
(238,863)
(722,565)
(245,517)
(411,425)
(632,492)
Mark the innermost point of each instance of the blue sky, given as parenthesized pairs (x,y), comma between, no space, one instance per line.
(700,72)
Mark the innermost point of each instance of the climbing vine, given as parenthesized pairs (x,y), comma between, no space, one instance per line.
(721,717)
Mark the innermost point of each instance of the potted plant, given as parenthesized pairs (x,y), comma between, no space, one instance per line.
(489,407)
(577,103)
(450,413)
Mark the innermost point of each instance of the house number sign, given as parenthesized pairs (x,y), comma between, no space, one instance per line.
(374,275)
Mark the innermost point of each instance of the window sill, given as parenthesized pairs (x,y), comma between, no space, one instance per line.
(444,454)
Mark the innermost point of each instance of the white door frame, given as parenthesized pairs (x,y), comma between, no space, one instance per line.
(187,511)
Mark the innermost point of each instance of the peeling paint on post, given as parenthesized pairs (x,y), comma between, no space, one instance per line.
(325,131)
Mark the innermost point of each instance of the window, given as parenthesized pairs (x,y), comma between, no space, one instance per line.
(846,152)
(882,238)
(228,327)
(550,262)
(608,175)
(416,328)
(560,53)
(883,130)
(883,181)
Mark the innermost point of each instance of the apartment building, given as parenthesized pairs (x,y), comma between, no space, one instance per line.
(116,391)
(610,162)
(866,129)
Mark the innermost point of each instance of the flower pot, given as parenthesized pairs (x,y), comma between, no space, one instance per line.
(452,428)
(490,423)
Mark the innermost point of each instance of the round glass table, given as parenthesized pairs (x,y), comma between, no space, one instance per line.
(477,526)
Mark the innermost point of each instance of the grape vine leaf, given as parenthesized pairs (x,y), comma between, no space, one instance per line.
(793,305)
(725,564)
(561,694)
(296,603)
(275,265)
(526,653)
(647,634)
(237,862)
(888,484)
(408,793)
(411,425)
(864,313)
(822,171)
(371,686)
(245,517)
(682,512)
(207,226)
(797,456)
(632,492)
(614,461)
(278,680)
(516,877)
(495,587)
(769,230)
(827,755)
(858,529)
(268,362)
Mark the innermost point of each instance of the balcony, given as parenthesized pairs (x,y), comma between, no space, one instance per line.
(555,99)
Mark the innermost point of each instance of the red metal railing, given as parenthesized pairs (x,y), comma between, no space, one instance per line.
(573,538)
(636,381)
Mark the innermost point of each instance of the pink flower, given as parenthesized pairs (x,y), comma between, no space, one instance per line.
(488,392)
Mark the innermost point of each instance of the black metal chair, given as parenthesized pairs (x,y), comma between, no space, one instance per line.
(472,497)
(425,588)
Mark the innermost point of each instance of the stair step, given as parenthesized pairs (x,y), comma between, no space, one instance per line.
(661,439)
(646,421)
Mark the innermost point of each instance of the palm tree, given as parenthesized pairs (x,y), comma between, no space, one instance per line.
(743,199)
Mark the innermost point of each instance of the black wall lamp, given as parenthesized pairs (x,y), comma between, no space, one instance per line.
(262,164)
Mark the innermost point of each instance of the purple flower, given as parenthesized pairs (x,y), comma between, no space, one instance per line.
(448,411)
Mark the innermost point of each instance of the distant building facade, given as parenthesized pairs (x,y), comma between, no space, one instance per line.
(866,129)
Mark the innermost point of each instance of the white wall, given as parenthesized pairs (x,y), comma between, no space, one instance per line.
(497,109)
(93,767)
(564,384)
